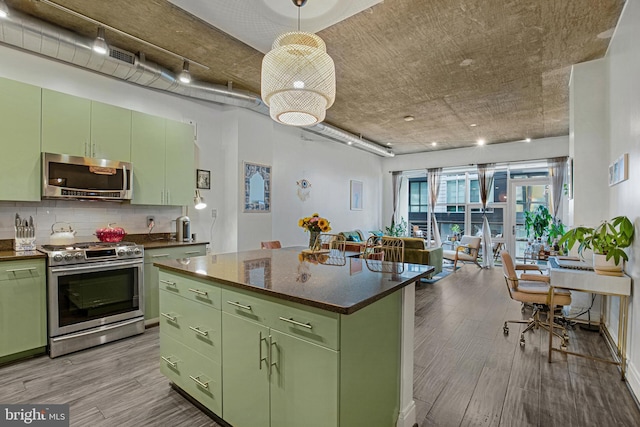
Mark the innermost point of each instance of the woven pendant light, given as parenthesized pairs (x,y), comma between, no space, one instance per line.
(298,79)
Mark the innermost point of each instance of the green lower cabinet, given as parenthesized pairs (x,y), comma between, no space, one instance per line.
(304,383)
(23,325)
(151,297)
(245,376)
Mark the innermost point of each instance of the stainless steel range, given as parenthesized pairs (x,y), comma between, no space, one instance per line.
(95,294)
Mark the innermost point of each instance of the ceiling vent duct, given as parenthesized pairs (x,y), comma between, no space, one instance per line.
(34,35)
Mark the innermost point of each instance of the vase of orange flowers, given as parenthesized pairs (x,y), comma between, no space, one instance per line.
(315,225)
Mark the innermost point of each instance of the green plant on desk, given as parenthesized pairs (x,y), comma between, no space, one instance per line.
(609,238)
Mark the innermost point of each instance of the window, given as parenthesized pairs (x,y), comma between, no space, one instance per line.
(418,196)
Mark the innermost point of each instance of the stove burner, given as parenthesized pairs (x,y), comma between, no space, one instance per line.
(86,245)
(91,252)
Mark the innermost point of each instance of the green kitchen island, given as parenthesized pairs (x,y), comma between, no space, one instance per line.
(281,338)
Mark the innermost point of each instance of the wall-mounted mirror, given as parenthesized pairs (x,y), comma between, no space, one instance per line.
(257,187)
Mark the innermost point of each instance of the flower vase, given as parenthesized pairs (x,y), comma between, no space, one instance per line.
(313,236)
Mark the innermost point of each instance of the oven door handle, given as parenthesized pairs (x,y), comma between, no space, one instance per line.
(96,266)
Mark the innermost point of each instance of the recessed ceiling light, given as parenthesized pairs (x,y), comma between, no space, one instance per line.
(433,144)
(481,141)
(473,125)
(409,118)
(388,144)
(527,140)
(466,62)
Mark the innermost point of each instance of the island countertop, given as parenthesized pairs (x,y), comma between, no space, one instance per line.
(341,285)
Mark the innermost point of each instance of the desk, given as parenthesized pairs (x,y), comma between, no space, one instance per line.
(588,281)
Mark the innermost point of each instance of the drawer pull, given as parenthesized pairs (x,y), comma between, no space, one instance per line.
(200,383)
(237,304)
(199,292)
(170,317)
(170,362)
(197,330)
(290,320)
(166,282)
(22,269)
(159,256)
(192,252)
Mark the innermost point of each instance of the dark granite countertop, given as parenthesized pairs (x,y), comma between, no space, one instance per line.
(344,288)
(8,254)
(158,240)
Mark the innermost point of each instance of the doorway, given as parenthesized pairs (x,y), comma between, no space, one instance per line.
(525,195)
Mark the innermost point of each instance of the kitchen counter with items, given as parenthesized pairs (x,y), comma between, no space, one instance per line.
(8,254)
(159,240)
(320,328)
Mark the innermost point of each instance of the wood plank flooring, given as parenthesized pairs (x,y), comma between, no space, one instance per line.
(467,372)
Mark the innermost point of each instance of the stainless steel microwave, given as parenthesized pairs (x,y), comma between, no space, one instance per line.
(82,178)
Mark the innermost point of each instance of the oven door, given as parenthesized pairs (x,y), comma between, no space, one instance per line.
(92,295)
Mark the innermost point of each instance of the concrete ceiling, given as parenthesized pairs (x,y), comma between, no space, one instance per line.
(501,65)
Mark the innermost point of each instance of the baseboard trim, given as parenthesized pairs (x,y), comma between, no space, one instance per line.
(407,417)
(633,382)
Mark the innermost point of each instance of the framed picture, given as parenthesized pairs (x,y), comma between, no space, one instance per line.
(257,187)
(619,170)
(203,179)
(356,195)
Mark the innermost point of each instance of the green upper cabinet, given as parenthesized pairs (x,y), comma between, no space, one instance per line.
(81,127)
(110,132)
(162,154)
(148,158)
(179,164)
(20,124)
(66,124)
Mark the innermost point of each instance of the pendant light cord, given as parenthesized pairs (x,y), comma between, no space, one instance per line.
(298,18)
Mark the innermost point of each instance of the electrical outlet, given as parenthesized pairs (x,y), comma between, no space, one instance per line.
(214,213)
(150,219)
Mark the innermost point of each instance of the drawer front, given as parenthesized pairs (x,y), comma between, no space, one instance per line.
(247,306)
(201,291)
(175,252)
(194,325)
(307,323)
(22,269)
(196,374)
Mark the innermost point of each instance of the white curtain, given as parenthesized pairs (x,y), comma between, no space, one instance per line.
(433,176)
(485,181)
(558,173)
(396,183)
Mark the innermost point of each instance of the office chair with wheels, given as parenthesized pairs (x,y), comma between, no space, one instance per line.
(533,289)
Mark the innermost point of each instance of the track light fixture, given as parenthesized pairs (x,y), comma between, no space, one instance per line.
(185,75)
(4,9)
(100,45)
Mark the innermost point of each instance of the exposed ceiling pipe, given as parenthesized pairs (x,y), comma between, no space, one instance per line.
(34,35)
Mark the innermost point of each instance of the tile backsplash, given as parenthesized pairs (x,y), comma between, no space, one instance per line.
(85,217)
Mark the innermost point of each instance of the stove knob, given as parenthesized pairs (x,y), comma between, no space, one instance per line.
(129,252)
(68,257)
(57,257)
(78,255)
(122,252)
(137,251)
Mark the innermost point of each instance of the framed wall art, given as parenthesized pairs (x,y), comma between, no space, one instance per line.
(356,195)
(257,187)
(203,179)
(619,170)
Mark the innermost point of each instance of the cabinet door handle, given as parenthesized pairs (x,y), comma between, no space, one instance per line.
(200,383)
(170,362)
(199,292)
(162,197)
(93,150)
(168,197)
(170,317)
(21,269)
(192,252)
(290,320)
(166,282)
(261,359)
(237,304)
(271,345)
(197,330)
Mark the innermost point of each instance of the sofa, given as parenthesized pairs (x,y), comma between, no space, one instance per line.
(356,239)
(416,252)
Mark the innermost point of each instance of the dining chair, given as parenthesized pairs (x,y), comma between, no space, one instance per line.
(334,243)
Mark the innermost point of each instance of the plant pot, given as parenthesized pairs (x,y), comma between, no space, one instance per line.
(602,266)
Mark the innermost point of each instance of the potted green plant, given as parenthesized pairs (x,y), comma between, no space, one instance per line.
(397,230)
(456,230)
(537,222)
(607,242)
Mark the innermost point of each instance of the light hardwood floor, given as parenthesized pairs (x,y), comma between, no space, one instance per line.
(467,372)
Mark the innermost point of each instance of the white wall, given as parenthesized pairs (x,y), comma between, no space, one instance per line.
(623,60)
(227,136)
